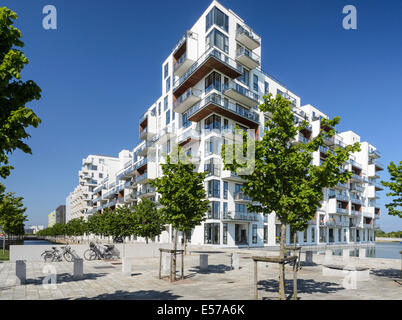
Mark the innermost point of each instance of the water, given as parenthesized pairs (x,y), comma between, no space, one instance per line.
(385,250)
(36,242)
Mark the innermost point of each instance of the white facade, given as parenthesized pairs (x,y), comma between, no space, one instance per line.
(211,82)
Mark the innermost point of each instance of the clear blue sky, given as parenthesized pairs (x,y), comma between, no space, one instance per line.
(100,70)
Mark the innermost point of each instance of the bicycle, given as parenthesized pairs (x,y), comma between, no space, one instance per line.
(95,253)
(56,256)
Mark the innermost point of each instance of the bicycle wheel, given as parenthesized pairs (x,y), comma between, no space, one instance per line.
(47,256)
(68,256)
(90,255)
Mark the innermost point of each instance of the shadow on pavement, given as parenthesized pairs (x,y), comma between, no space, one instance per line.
(387,273)
(217,268)
(137,295)
(66,277)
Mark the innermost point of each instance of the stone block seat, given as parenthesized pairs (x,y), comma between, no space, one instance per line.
(359,273)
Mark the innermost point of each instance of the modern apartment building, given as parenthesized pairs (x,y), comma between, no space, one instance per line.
(95,168)
(61,214)
(212,81)
(51,219)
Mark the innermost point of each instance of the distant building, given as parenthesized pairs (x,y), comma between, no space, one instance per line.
(61,214)
(33,229)
(68,209)
(51,219)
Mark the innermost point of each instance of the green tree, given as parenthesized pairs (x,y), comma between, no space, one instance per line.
(75,227)
(281,176)
(395,185)
(15,117)
(183,199)
(12,216)
(147,221)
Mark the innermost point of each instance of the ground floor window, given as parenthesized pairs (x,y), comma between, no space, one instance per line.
(305,236)
(254,234)
(339,234)
(344,235)
(225,233)
(364,235)
(265,234)
(211,233)
(312,234)
(323,235)
(277,233)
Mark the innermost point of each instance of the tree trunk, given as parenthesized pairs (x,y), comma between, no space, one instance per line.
(173,271)
(146,240)
(282,266)
(185,242)
(4,242)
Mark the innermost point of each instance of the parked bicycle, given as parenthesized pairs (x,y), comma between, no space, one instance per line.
(55,255)
(95,252)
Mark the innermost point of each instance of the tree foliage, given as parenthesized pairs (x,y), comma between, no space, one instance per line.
(395,185)
(15,117)
(283,179)
(147,220)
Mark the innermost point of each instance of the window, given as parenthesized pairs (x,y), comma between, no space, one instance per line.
(266,88)
(213,81)
(225,209)
(101,161)
(167,147)
(213,123)
(217,17)
(255,83)
(94,167)
(167,117)
(225,233)
(214,188)
(245,77)
(214,212)
(225,124)
(265,234)
(217,39)
(188,153)
(344,235)
(313,234)
(339,235)
(186,123)
(305,236)
(211,233)
(166,70)
(225,190)
(159,109)
(173,115)
(254,234)
(153,112)
(167,85)
(165,103)
(101,175)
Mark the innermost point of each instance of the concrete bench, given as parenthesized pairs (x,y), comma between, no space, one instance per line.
(78,268)
(203,262)
(359,274)
(21,271)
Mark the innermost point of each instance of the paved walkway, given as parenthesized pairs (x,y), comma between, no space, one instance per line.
(104,280)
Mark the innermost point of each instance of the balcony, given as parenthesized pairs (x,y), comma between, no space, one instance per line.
(181,66)
(215,103)
(301,139)
(240,216)
(127,173)
(329,140)
(342,211)
(356,213)
(239,93)
(339,196)
(247,58)
(355,164)
(240,196)
(356,200)
(189,137)
(186,100)
(368,226)
(372,171)
(342,185)
(145,148)
(212,170)
(132,197)
(375,154)
(339,143)
(247,38)
(146,192)
(371,192)
(356,188)
(142,178)
(210,60)
(357,178)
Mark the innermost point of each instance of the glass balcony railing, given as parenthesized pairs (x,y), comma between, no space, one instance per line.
(355,164)
(241,196)
(179,62)
(243,31)
(248,53)
(240,216)
(217,100)
(342,210)
(231,85)
(190,92)
(142,177)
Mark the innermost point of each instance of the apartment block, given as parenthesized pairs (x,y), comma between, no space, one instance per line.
(212,81)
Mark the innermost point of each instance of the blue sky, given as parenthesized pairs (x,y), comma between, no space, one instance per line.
(100,70)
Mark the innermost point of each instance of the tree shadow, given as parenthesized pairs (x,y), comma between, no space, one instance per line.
(217,268)
(387,273)
(309,286)
(137,295)
(65,277)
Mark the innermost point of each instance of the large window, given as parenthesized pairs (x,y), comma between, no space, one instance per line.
(255,83)
(214,210)
(213,81)
(165,103)
(216,16)
(312,234)
(225,189)
(265,234)
(217,39)
(167,117)
(213,123)
(186,123)
(245,77)
(266,88)
(214,188)
(254,234)
(225,233)
(225,209)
